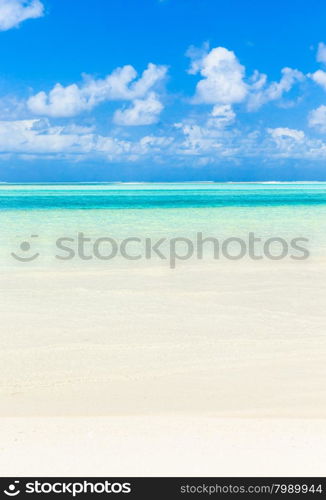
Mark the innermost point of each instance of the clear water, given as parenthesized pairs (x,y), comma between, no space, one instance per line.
(158,210)
(147,196)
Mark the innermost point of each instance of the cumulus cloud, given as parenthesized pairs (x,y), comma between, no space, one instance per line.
(261,92)
(321,53)
(73,99)
(221,116)
(224,83)
(319,77)
(284,132)
(142,112)
(292,143)
(222,74)
(197,140)
(13,12)
(209,136)
(317,118)
(288,142)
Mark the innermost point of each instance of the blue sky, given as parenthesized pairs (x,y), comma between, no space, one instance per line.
(146,90)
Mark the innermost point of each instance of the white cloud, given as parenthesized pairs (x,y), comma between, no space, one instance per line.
(289,142)
(121,84)
(319,77)
(38,138)
(214,145)
(284,132)
(221,116)
(12,108)
(197,139)
(222,74)
(208,135)
(224,80)
(155,143)
(292,143)
(261,92)
(192,144)
(13,12)
(61,101)
(142,112)
(321,53)
(317,118)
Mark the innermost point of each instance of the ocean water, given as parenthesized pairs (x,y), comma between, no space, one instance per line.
(41,214)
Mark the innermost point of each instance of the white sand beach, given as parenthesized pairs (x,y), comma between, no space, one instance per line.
(217,357)
(226,339)
(162,446)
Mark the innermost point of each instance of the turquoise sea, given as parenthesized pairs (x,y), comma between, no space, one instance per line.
(120,211)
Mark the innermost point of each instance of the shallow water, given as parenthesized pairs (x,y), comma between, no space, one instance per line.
(120,211)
